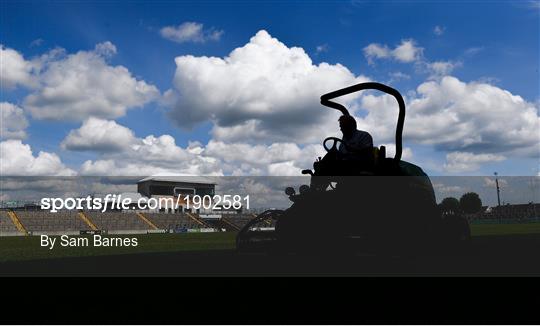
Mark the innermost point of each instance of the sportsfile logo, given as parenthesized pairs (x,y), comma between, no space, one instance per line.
(110,201)
(118,202)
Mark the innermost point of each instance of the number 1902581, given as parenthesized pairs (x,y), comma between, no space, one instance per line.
(216,202)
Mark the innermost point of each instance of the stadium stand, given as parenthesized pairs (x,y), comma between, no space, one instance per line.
(516,211)
(513,212)
(117,221)
(36,221)
(239,220)
(221,225)
(171,221)
(42,221)
(6,225)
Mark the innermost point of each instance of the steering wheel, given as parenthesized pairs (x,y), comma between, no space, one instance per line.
(334,144)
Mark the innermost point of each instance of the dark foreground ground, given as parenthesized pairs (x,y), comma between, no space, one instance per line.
(488,255)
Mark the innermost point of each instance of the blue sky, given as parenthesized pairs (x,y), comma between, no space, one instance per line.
(494,43)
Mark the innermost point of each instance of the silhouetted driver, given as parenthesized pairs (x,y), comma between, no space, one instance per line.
(356,143)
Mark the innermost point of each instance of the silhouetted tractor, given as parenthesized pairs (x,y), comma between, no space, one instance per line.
(377,204)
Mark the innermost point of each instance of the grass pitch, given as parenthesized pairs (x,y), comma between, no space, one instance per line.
(28,248)
(505,229)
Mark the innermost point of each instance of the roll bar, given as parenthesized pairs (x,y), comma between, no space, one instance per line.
(325,100)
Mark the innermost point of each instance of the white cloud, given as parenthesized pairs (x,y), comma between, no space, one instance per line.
(14,69)
(12,122)
(283,169)
(442,68)
(441,188)
(36,42)
(406,51)
(50,184)
(152,155)
(457,162)
(274,159)
(263,101)
(464,119)
(119,167)
(108,188)
(406,153)
(439,30)
(321,48)
(491,183)
(82,85)
(106,49)
(261,91)
(190,32)
(121,153)
(17,159)
(99,135)
(161,155)
(376,51)
(454,116)
(398,75)
(473,50)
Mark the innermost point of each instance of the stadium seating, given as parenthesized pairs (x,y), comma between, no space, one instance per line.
(6,225)
(117,221)
(239,220)
(171,221)
(514,212)
(36,221)
(220,225)
(42,221)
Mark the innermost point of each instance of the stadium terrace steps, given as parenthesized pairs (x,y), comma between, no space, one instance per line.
(220,224)
(238,221)
(519,211)
(198,220)
(87,221)
(6,224)
(228,225)
(36,222)
(41,221)
(17,222)
(117,221)
(147,221)
(169,221)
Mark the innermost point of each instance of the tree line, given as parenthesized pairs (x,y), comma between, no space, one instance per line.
(469,203)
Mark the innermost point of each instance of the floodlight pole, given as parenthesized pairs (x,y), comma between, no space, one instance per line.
(498,190)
